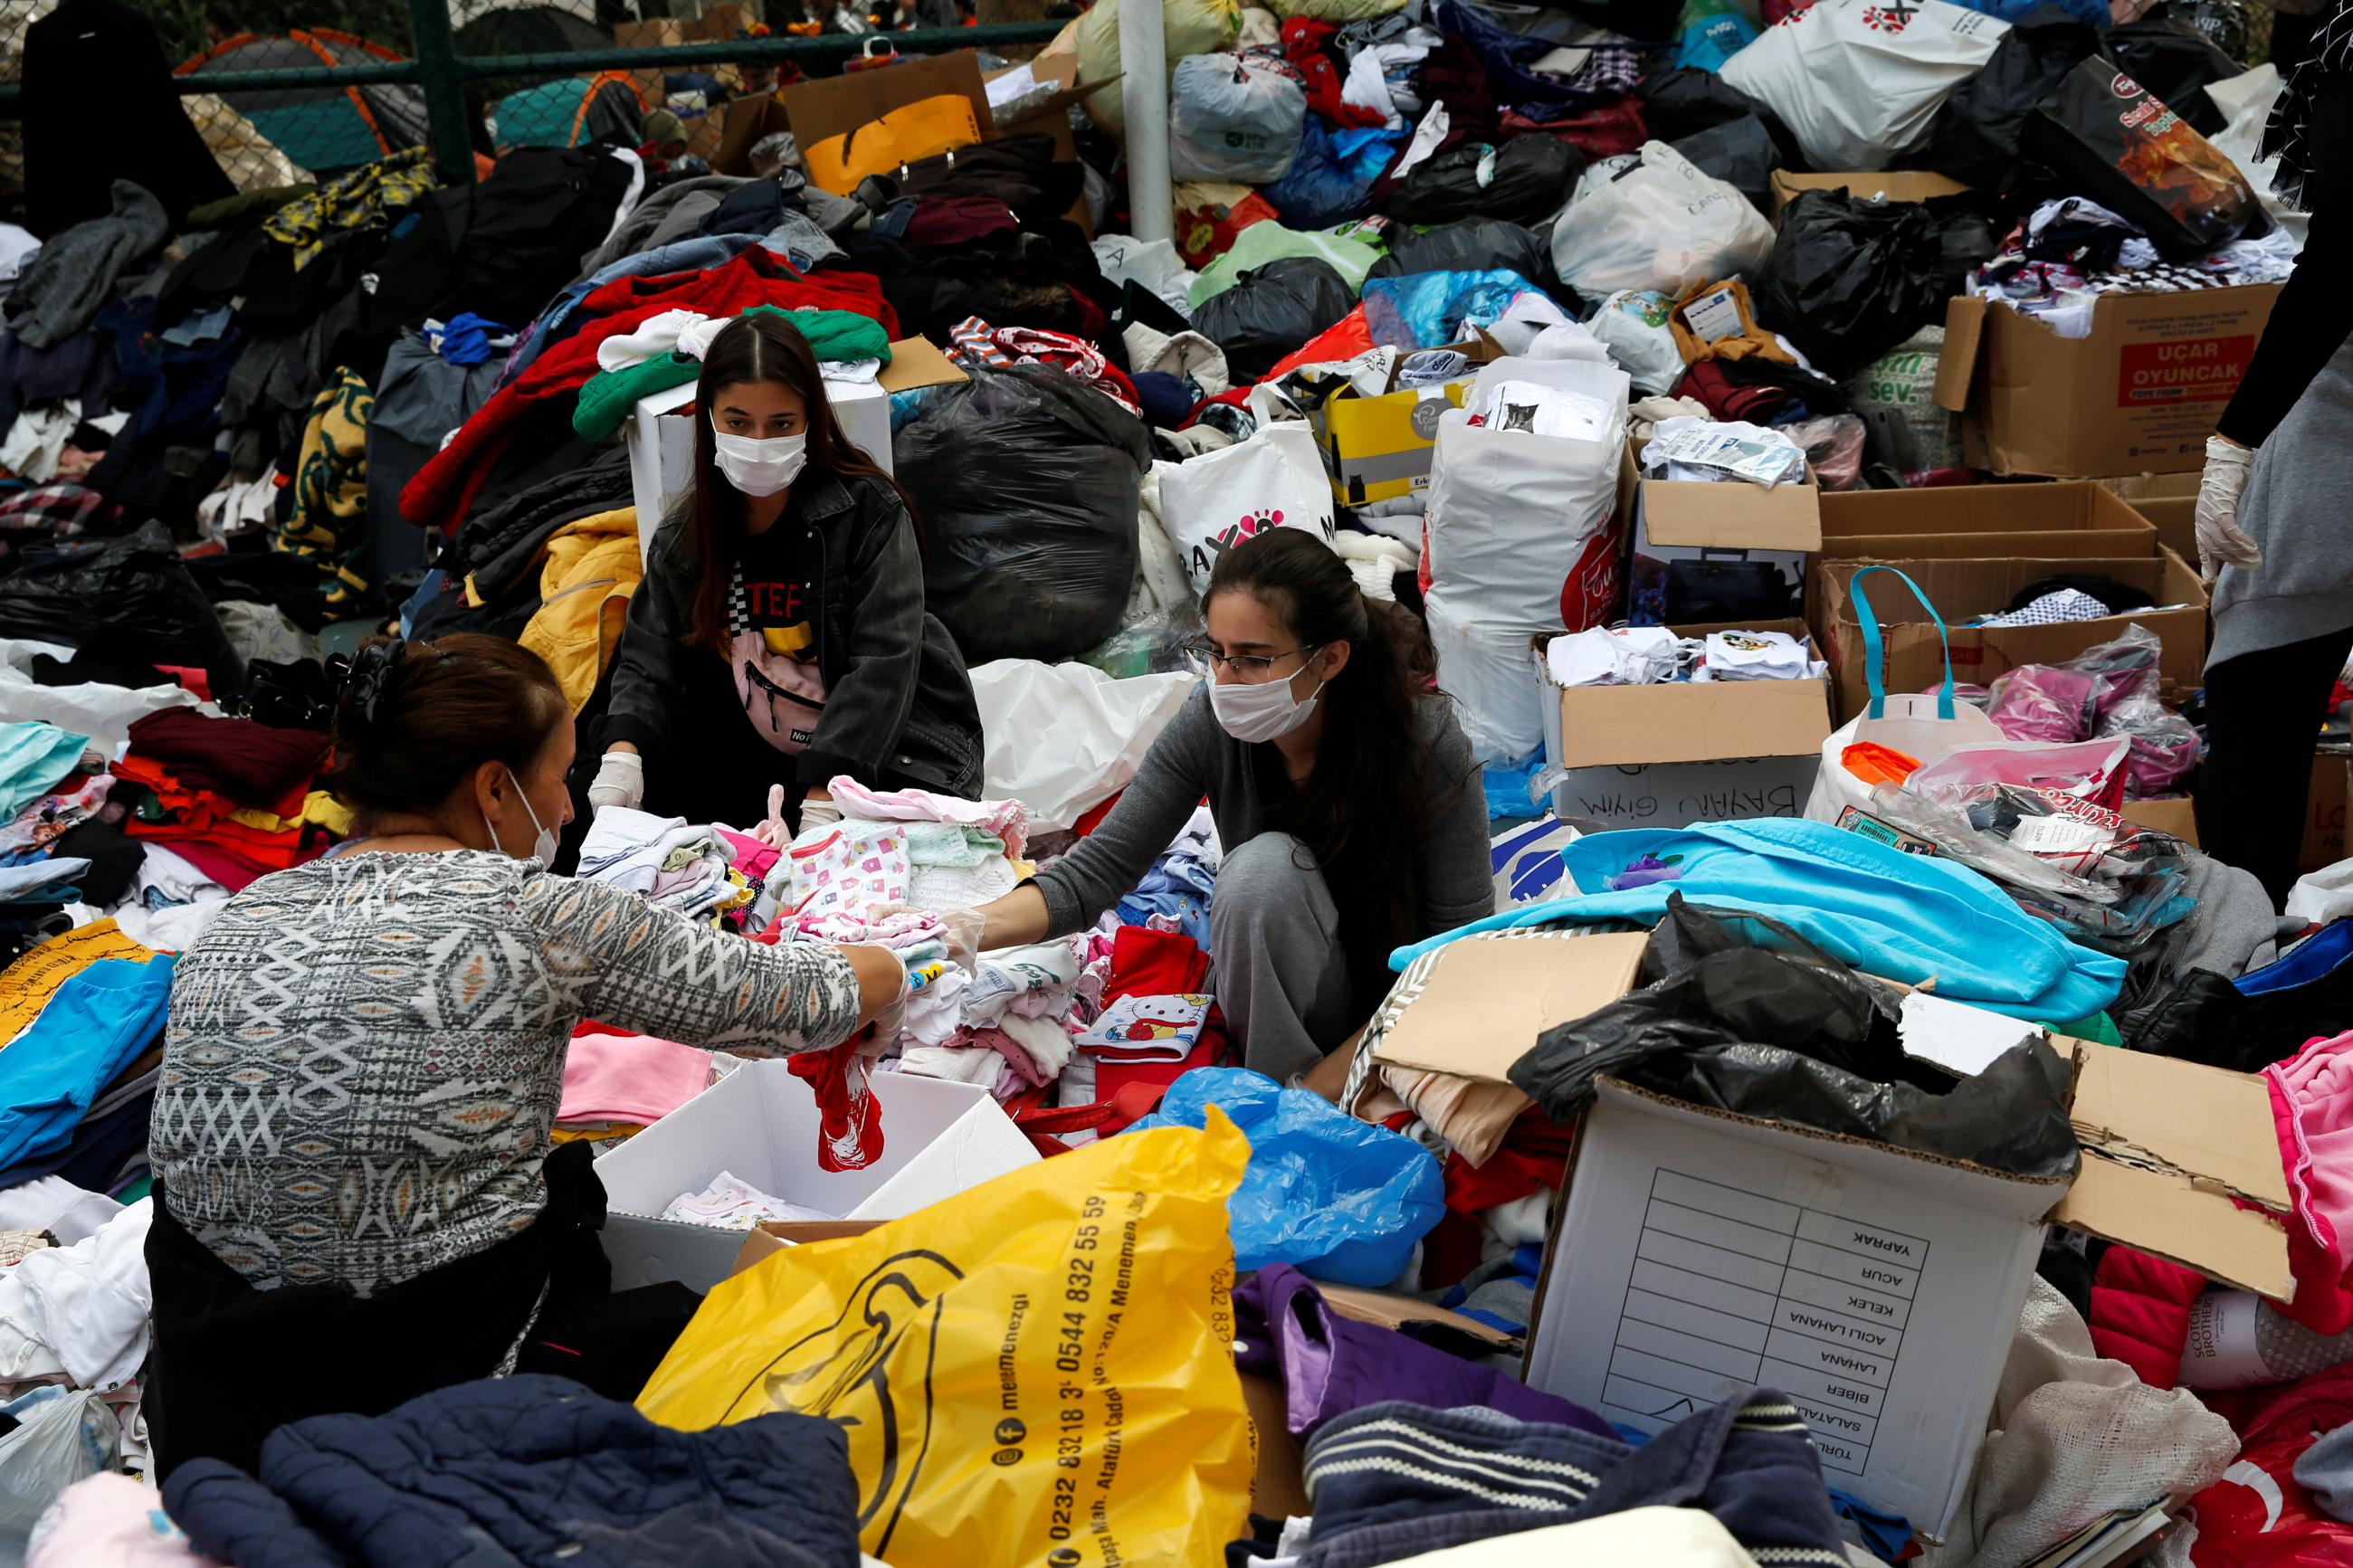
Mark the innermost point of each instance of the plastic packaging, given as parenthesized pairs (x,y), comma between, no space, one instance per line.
(2043,703)
(1331,181)
(1850,278)
(1632,323)
(1975,139)
(1895,397)
(1232,117)
(1064,738)
(1211,216)
(1335,1198)
(1083,1304)
(1261,244)
(1663,225)
(1524,180)
(1796,1036)
(2165,747)
(130,597)
(1187,28)
(1471,245)
(2141,161)
(1026,484)
(1678,103)
(2091,770)
(2125,668)
(1859,83)
(60,1435)
(1430,309)
(1271,310)
(2177,62)
(1741,153)
(1834,446)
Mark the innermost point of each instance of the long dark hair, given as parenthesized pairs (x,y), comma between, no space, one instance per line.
(415,719)
(1363,812)
(759,345)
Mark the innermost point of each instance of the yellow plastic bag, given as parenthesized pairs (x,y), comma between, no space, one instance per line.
(1037,1370)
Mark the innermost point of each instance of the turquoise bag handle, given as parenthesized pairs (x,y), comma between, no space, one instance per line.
(1873,659)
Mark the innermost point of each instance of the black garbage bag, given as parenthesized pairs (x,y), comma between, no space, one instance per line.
(1793,1035)
(2175,60)
(1524,180)
(131,597)
(2111,139)
(1849,279)
(1678,103)
(1026,486)
(1469,245)
(1741,153)
(1271,310)
(1976,135)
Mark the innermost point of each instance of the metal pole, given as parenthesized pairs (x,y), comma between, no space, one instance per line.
(1143,102)
(437,73)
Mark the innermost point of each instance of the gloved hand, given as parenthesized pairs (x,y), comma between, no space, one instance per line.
(620,780)
(819,814)
(892,1022)
(2221,539)
(967,933)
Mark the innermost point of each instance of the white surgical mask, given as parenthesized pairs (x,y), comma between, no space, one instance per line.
(543,847)
(1261,712)
(761,467)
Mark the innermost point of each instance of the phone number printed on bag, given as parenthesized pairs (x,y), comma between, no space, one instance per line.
(1098,1280)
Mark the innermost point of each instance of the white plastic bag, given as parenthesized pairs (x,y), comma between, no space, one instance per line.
(1063,738)
(1515,518)
(1633,324)
(1489,667)
(2324,894)
(1664,225)
(1232,119)
(1215,501)
(1923,728)
(61,1436)
(1857,81)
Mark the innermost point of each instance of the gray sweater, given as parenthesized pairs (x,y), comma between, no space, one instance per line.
(76,272)
(1195,757)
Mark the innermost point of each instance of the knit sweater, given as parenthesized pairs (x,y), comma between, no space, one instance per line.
(840,336)
(75,273)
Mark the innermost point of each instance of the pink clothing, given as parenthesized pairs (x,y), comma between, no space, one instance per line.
(108,1520)
(2312,1102)
(630,1077)
(1008,820)
(753,857)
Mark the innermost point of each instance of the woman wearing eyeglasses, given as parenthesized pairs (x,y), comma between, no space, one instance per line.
(1352,817)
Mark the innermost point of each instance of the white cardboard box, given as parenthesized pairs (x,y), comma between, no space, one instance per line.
(761,1123)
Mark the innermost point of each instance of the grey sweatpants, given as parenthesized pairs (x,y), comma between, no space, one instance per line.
(1281,977)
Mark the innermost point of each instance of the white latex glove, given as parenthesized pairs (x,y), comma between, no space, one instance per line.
(818,814)
(892,1022)
(2221,539)
(620,780)
(967,939)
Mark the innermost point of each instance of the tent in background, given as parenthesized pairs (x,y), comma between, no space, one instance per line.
(321,128)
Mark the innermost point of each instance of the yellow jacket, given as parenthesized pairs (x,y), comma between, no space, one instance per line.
(593,567)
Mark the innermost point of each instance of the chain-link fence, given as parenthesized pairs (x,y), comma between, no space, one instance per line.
(286,91)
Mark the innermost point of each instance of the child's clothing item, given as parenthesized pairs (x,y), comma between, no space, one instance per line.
(2312,1102)
(1753,655)
(1008,820)
(730,1203)
(1148,1028)
(846,869)
(1622,656)
(1041,977)
(108,1520)
(630,1077)
(850,1124)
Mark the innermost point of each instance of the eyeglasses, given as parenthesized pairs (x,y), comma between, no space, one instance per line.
(1249,666)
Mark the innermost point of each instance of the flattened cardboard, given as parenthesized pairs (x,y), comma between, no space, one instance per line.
(2037,521)
(1277,1485)
(916,361)
(743,123)
(1962,589)
(2178,818)
(1488,997)
(1896,184)
(1384,1309)
(2139,395)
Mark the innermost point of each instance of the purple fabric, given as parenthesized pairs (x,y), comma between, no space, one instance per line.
(1330,1364)
(2043,702)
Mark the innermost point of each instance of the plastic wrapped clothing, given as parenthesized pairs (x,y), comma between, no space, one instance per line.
(2140,163)
(1271,310)
(1264,242)
(1332,1196)
(1524,180)
(1660,225)
(1234,119)
(2073,1437)
(1330,1364)
(1468,245)
(1906,917)
(1430,309)
(130,597)
(1849,279)
(1794,1035)
(1026,484)
(1331,182)
(1975,138)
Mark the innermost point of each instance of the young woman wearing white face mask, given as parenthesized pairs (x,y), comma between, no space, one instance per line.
(1352,817)
(779,636)
(356,1200)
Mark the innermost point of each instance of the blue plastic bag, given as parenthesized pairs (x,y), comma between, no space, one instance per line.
(1711,40)
(1430,309)
(1336,1199)
(1332,179)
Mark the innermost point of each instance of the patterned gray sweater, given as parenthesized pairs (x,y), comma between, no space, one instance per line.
(366,1054)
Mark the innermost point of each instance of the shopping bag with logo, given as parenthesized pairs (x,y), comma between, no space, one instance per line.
(1038,1369)
(1217,501)
(1905,729)
(1859,81)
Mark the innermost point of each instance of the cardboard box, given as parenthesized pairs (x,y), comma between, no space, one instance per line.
(663,33)
(2169,502)
(743,122)
(1732,523)
(1878,1287)
(2324,811)
(2048,523)
(1379,448)
(2178,817)
(1962,590)
(660,431)
(1670,756)
(761,1123)
(1896,184)
(826,106)
(2139,395)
